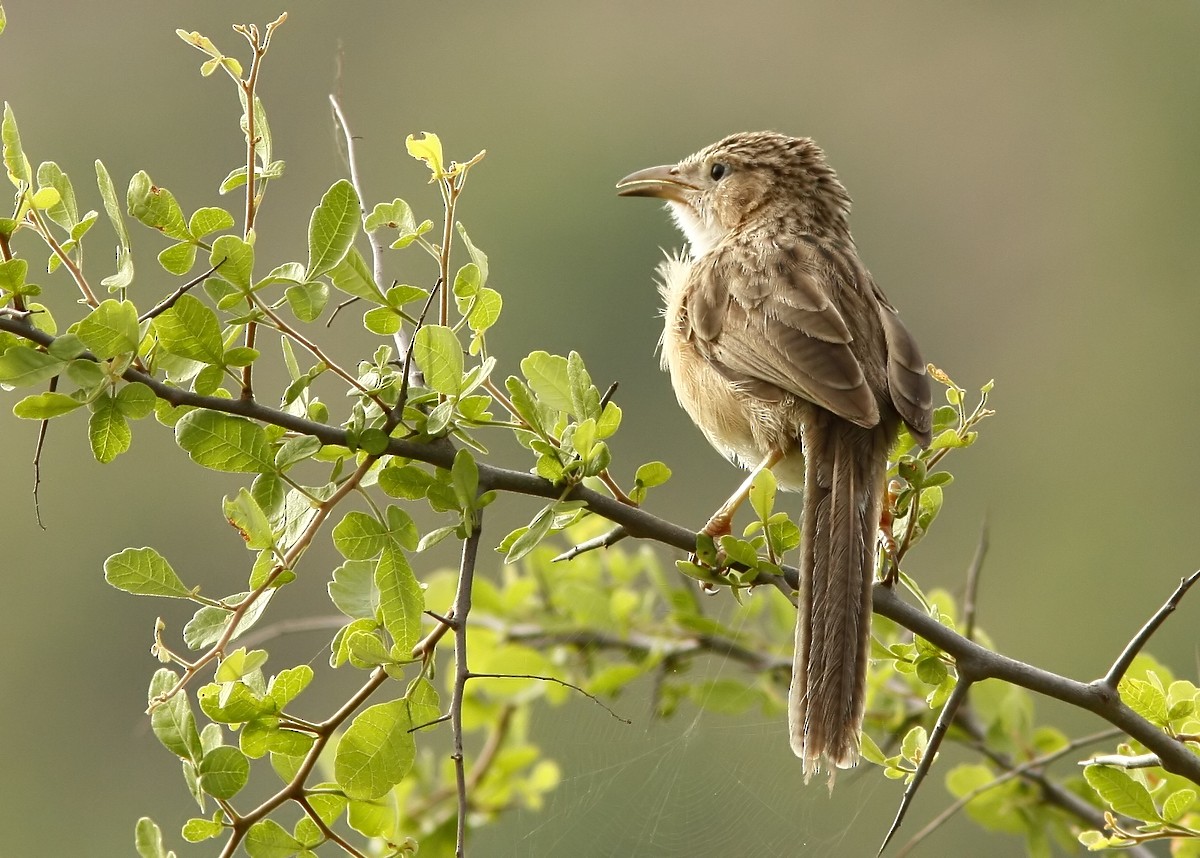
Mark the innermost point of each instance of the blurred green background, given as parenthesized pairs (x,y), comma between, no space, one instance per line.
(1025,177)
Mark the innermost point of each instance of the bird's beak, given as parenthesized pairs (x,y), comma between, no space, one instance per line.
(662,182)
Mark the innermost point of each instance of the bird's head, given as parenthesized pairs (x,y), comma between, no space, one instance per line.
(745,181)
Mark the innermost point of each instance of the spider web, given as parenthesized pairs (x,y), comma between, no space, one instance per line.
(697,784)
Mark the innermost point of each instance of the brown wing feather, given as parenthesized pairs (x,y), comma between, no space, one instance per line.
(767,325)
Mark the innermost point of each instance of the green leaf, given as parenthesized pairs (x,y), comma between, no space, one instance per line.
(409,482)
(144,572)
(428,149)
(439,355)
(353,589)
(477,256)
(537,530)
(267,839)
(223,772)
(111,329)
(44,406)
(179,258)
(382,321)
(359,536)
(209,220)
(148,839)
(22,366)
(376,752)
(208,624)
(547,375)
(353,277)
(124,274)
(244,513)
(66,212)
(172,720)
(12,274)
(288,684)
(307,300)
(190,330)
(239,663)
(234,260)
(1121,792)
(401,600)
(197,829)
(108,430)
(1177,804)
(332,228)
(762,494)
(223,442)
(155,207)
(464,475)
(14,156)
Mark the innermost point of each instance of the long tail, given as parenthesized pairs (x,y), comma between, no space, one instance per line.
(843,487)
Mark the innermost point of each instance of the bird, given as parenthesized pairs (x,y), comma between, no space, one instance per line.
(787,355)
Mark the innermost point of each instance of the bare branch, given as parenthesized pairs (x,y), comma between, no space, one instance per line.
(1121,665)
(945,719)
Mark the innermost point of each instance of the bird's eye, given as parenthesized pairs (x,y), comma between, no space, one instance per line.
(718,170)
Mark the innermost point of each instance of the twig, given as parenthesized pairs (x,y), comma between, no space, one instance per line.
(1121,665)
(945,719)
(1015,772)
(169,302)
(1121,761)
(969,599)
(605,540)
(462,672)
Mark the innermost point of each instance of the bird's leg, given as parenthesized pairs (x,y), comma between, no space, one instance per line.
(722,519)
(890,568)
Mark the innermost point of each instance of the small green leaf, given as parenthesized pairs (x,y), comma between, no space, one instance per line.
(44,406)
(111,329)
(223,772)
(1121,792)
(428,149)
(135,400)
(223,442)
(124,274)
(307,300)
(14,156)
(359,536)
(267,839)
(148,840)
(178,259)
(198,829)
(439,355)
(376,752)
(209,220)
(172,720)
(239,663)
(22,366)
(401,600)
(244,513)
(189,329)
(208,624)
(155,207)
(353,277)
(547,376)
(144,572)
(332,228)
(108,430)
(234,260)
(353,589)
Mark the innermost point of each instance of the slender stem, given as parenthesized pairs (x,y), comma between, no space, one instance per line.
(462,609)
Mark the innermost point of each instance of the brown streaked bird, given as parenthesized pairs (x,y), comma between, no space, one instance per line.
(787,355)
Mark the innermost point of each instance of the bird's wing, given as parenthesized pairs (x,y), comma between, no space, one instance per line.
(908,382)
(764,320)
